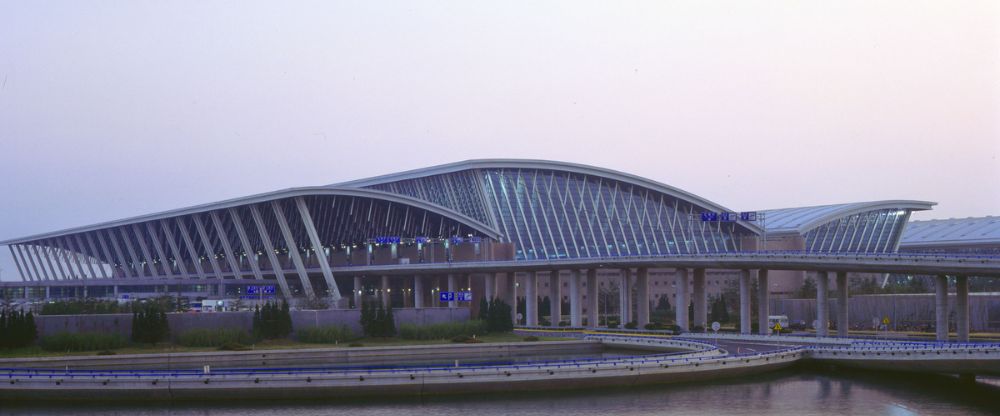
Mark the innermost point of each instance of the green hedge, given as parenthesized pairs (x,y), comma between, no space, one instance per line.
(445,330)
(213,337)
(84,341)
(325,335)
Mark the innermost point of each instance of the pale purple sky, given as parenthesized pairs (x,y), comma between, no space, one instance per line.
(116,109)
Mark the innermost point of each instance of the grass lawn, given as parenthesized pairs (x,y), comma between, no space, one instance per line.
(36,351)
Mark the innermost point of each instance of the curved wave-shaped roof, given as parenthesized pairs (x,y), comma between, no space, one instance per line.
(548,165)
(955,231)
(270,196)
(800,220)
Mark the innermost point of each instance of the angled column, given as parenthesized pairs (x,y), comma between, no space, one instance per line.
(147,258)
(174,250)
(164,260)
(324,262)
(592,305)
(62,260)
(130,249)
(119,257)
(642,295)
(38,257)
(227,248)
(575,302)
(272,257)
(822,304)
(941,307)
(531,299)
(681,308)
(17,262)
(293,249)
(46,251)
(75,253)
(763,297)
(97,254)
(207,244)
(77,242)
(452,287)
(53,252)
(962,308)
(418,291)
(555,299)
(356,292)
(245,242)
(28,263)
(384,292)
(843,323)
(189,244)
(700,300)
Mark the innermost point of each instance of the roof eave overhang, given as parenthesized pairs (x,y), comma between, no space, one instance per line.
(271,196)
(907,205)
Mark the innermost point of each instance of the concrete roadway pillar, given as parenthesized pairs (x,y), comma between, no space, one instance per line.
(941,307)
(763,296)
(700,299)
(452,287)
(962,308)
(357,292)
(744,301)
(624,298)
(386,299)
(490,290)
(531,299)
(512,295)
(555,298)
(574,298)
(642,295)
(418,292)
(592,319)
(48,293)
(843,321)
(681,280)
(822,304)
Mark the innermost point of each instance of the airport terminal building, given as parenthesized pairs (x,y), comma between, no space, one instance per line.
(480,210)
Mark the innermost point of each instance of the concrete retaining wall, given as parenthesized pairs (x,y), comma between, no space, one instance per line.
(183,322)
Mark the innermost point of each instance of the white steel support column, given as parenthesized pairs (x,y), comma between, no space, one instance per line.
(48,260)
(75,253)
(763,298)
(245,242)
(227,248)
(165,265)
(962,308)
(130,249)
(511,282)
(81,249)
(843,295)
(192,251)
(324,262)
(105,253)
(531,299)
(207,244)
(490,283)
(555,299)
(681,307)
(700,300)
(575,302)
(293,249)
(624,297)
(384,292)
(172,244)
(941,307)
(272,257)
(28,264)
(119,256)
(17,262)
(642,293)
(53,251)
(146,257)
(592,297)
(38,258)
(357,292)
(418,292)
(822,304)
(452,287)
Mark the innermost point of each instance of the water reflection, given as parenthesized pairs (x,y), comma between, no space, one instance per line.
(790,392)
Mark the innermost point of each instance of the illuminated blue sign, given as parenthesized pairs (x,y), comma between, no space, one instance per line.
(260,290)
(387,240)
(464,296)
(728,216)
(446,296)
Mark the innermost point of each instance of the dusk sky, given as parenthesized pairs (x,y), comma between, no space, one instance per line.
(115,109)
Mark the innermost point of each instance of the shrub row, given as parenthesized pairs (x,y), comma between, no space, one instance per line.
(444,330)
(213,337)
(325,335)
(84,341)
(17,329)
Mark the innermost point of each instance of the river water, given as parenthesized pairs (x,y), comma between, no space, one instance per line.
(789,392)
